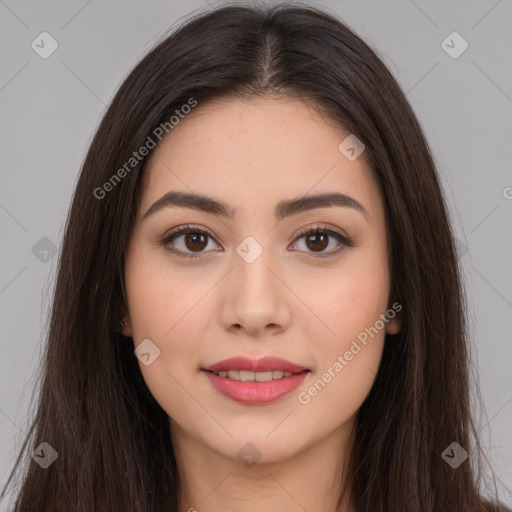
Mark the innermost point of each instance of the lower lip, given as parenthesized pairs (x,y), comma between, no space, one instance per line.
(255,392)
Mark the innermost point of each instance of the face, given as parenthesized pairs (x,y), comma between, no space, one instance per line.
(252,284)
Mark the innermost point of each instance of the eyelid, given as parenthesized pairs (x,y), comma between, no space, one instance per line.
(324,229)
(186,228)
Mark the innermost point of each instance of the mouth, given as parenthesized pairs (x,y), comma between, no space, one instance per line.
(251,382)
(250,376)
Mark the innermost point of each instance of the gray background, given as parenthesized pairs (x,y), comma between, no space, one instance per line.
(50,108)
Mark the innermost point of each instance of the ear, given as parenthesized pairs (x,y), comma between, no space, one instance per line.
(394,326)
(126,325)
(125,322)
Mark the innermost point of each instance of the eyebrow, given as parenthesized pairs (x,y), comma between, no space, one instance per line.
(174,199)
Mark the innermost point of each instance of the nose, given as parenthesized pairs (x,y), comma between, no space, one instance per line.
(256,301)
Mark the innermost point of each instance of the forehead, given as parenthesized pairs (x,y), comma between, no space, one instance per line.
(269,148)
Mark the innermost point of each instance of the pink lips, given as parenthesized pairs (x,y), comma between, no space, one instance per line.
(264,364)
(255,392)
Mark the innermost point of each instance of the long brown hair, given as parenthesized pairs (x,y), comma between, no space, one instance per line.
(94,409)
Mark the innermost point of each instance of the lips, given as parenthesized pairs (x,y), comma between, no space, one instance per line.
(265,364)
(253,382)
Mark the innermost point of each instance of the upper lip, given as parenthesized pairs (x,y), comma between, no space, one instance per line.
(260,365)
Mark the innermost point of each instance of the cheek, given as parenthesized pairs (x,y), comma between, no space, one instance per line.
(353,352)
(353,300)
(349,351)
(170,311)
(157,305)
(163,301)
(347,361)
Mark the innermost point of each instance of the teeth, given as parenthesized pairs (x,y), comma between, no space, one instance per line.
(247,376)
(263,376)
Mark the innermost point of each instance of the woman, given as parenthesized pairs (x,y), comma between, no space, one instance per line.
(258,303)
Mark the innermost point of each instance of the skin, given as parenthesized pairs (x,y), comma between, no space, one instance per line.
(251,154)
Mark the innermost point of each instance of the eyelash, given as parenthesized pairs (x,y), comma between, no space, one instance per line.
(344,241)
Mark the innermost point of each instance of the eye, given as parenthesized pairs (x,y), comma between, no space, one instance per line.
(317,239)
(194,239)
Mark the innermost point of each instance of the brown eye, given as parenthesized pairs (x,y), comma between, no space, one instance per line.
(317,242)
(195,241)
(187,241)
